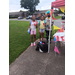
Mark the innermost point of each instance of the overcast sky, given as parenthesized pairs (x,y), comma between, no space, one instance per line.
(14,5)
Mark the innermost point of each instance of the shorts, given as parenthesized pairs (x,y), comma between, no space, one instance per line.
(42,30)
(33,32)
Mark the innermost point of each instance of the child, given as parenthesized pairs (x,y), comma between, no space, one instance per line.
(42,27)
(33,26)
(47,20)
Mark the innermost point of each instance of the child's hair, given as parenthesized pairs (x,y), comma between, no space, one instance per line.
(32,17)
(42,16)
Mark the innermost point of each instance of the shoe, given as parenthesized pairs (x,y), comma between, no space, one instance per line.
(31,45)
(40,50)
(34,44)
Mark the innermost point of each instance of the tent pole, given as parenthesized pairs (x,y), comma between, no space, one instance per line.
(55,51)
(49,35)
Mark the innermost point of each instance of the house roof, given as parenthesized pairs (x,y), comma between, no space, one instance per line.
(15,13)
(19,13)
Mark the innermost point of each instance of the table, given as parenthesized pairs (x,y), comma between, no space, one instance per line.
(60,36)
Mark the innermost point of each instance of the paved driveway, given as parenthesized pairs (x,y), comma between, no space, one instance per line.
(58,23)
(20,19)
(32,62)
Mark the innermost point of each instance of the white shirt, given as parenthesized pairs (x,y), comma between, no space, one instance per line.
(33,27)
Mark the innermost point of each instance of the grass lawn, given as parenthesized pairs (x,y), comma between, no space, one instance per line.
(19,39)
(58,17)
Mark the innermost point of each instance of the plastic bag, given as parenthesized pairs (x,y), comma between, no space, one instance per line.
(28,30)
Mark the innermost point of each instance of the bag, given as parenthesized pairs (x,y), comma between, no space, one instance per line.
(28,30)
(43,46)
(30,22)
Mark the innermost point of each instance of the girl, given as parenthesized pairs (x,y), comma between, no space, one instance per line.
(33,26)
(42,27)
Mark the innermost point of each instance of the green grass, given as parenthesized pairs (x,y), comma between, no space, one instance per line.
(19,39)
(58,17)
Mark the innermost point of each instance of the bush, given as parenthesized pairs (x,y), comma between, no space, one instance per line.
(13,16)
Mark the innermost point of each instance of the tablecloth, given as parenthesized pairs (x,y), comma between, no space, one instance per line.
(60,36)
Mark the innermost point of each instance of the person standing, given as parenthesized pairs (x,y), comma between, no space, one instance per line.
(42,27)
(33,26)
(47,27)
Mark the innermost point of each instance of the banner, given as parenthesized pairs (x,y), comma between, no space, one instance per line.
(55,27)
(62,9)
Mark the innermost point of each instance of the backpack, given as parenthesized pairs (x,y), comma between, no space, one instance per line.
(40,22)
(43,47)
(30,22)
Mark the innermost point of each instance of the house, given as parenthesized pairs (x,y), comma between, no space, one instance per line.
(26,13)
(17,14)
(40,12)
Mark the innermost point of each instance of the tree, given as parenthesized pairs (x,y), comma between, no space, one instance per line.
(20,10)
(29,4)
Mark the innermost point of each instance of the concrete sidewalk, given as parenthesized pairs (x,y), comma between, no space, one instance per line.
(32,62)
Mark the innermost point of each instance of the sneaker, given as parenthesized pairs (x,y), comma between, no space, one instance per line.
(31,44)
(40,50)
(34,44)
